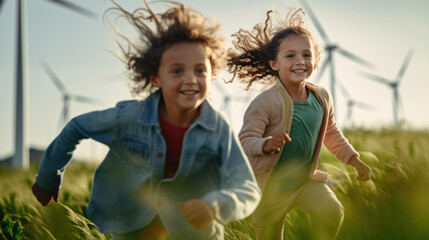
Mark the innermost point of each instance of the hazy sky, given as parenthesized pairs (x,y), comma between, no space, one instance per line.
(77,49)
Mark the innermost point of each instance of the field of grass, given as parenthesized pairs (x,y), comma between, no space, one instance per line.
(393,205)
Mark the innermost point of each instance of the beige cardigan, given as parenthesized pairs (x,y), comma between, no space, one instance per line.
(271,113)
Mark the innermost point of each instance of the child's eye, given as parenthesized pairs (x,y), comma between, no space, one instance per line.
(289,56)
(177,71)
(200,70)
(307,55)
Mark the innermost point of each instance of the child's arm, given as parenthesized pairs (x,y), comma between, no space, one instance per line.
(239,193)
(255,121)
(98,125)
(364,172)
(341,148)
(276,142)
(44,196)
(198,213)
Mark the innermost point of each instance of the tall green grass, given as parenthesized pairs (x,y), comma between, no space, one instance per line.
(393,205)
(64,220)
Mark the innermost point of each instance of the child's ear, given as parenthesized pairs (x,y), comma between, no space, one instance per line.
(273,64)
(154,80)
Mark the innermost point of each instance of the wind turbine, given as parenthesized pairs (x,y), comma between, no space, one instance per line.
(67,96)
(351,103)
(330,49)
(21,156)
(227,98)
(393,84)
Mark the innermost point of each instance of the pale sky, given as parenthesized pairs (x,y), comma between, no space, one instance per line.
(77,49)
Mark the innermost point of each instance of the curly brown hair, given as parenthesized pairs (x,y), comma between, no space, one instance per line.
(254,49)
(158,32)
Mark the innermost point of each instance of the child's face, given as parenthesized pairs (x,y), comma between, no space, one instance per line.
(184,76)
(295,60)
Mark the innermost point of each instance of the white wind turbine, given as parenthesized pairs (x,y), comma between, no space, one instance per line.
(67,96)
(393,84)
(21,155)
(330,48)
(351,103)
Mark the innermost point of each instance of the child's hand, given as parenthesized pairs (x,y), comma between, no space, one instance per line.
(44,196)
(364,171)
(197,212)
(276,143)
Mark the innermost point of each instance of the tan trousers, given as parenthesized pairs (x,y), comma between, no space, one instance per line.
(154,231)
(314,198)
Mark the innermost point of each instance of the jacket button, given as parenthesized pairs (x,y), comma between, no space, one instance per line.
(159,155)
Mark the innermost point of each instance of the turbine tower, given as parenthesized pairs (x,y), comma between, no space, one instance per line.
(21,155)
(393,84)
(67,96)
(330,49)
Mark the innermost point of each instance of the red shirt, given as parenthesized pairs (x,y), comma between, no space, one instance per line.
(173,136)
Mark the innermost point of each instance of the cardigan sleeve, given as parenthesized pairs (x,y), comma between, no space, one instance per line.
(255,121)
(334,140)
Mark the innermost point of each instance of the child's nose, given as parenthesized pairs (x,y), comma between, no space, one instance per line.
(300,60)
(190,78)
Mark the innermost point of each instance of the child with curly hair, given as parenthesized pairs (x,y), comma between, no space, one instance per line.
(285,126)
(175,169)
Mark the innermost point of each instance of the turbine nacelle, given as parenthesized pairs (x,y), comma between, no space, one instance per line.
(330,49)
(393,84)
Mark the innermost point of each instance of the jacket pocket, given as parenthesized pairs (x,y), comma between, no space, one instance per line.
(137,154)
(206,158)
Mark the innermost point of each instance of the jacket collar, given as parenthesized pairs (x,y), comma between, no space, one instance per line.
(149,113)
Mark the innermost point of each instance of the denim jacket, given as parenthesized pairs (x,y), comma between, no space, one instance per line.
(129,189)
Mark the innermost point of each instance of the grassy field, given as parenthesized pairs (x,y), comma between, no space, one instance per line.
(393,205)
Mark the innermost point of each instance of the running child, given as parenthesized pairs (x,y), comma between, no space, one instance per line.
(174,169)
(285,126)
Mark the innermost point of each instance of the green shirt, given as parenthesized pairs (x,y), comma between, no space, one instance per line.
(297,156)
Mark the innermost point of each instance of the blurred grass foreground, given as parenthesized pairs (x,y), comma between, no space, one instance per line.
(393,205)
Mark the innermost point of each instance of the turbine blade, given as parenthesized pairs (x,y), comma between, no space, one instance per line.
(405,65)
(364,105)
(355,58)
(75,8)
(376,78)
(1,4)
(54,78)
(83,99)
(315,21)
(343,90)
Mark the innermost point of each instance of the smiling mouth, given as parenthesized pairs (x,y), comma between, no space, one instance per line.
(189,92)
(299,71)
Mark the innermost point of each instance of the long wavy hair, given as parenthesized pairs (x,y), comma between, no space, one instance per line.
(159,31)
(249,61)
